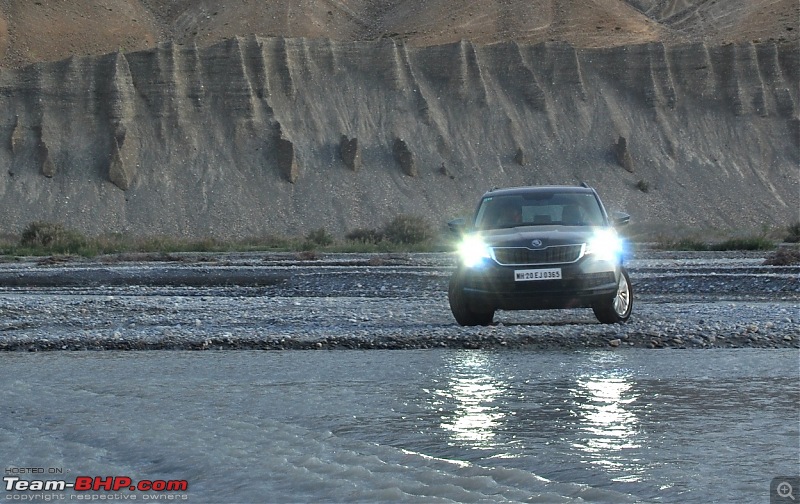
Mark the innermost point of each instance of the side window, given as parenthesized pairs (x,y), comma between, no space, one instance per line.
(592,213)
(583,209)
(480,218)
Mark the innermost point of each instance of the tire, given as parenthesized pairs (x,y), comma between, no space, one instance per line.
(460,307)
(617,309)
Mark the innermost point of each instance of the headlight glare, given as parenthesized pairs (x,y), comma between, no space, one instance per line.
(473,251)
(605,245)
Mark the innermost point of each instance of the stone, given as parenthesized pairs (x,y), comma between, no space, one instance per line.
(404,156)
(350,153)
(519,157)
(48,168)
(623,154)
(16,136)
(119,173)
(287,161)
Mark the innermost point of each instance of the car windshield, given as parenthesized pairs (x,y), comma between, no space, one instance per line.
(539,209)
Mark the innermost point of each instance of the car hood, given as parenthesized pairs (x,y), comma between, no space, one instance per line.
(549,236)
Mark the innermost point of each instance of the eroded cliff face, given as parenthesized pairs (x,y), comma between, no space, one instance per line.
(257,136)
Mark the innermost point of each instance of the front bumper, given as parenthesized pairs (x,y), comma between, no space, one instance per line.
(491,286)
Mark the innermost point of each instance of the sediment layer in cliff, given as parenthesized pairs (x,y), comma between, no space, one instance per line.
(258,136)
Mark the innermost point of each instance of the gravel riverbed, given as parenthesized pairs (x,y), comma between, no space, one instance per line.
(366,301)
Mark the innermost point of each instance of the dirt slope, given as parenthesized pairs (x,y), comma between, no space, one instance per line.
(232,118)
(49,30)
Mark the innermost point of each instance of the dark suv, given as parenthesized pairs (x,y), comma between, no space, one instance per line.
(534,248)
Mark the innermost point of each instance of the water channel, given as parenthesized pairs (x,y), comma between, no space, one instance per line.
(410,425)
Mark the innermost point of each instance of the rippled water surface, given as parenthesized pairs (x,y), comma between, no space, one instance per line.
(427,426)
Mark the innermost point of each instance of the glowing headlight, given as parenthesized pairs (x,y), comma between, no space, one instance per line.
(605,245)
(473,251)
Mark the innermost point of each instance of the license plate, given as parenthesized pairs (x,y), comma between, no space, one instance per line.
(537,274)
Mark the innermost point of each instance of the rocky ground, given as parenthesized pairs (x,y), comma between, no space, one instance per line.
(375,301)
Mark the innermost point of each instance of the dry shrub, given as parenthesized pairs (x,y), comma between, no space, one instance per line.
(793,233)
(367,236)
(408,230)
(43,234)
(784,256)
(308,255)
(378,261)
(319,237)
(52,237)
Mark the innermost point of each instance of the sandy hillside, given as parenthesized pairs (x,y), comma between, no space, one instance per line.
(48,30)
(238,118)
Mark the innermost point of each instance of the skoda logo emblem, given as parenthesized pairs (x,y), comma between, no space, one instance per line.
(536,243)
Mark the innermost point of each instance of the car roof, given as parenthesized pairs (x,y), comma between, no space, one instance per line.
(510,191)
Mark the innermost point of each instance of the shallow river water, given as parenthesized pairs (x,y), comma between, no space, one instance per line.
(417,425)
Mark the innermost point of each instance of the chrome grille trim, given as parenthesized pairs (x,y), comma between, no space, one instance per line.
(523,256)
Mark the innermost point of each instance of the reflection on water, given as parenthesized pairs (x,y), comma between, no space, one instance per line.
(481,407)
(633,422)
(474,393)
(685,426)
(608,424)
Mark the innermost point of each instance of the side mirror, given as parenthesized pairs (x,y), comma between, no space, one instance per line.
(619,219)
(457,226)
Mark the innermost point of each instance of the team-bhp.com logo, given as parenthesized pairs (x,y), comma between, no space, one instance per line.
(94,484)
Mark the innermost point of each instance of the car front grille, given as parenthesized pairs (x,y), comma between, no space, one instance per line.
(519,256)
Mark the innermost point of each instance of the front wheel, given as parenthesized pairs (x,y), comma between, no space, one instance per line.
(459,305)
(616,309)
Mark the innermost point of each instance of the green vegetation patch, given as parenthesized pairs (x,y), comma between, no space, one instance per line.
(404,233)
(693,244)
